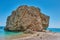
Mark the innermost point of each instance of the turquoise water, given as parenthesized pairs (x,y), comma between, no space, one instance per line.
(54,29)
(6,33)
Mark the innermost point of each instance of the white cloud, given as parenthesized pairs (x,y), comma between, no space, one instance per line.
(2,24)
(54,25)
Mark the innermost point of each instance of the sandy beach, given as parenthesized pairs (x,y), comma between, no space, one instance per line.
(35,36)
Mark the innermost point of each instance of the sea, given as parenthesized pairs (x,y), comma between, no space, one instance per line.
(7,33)
(4,33)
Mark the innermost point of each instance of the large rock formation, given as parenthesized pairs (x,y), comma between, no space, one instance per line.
(27,17)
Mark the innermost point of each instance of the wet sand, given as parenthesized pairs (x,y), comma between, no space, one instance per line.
(35,36)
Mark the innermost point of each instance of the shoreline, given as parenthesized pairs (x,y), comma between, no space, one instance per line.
(36,36)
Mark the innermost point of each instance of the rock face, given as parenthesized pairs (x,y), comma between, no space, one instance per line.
(27,17)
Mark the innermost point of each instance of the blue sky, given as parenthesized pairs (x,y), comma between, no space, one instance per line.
(48,7)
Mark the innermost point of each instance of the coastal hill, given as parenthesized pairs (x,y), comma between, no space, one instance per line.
(27,18)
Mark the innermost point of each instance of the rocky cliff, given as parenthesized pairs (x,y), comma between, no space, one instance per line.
(27,17)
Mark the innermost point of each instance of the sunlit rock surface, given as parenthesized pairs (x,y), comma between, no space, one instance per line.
(27,17)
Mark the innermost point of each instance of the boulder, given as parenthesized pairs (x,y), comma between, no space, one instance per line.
(29,31)
(27,17)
